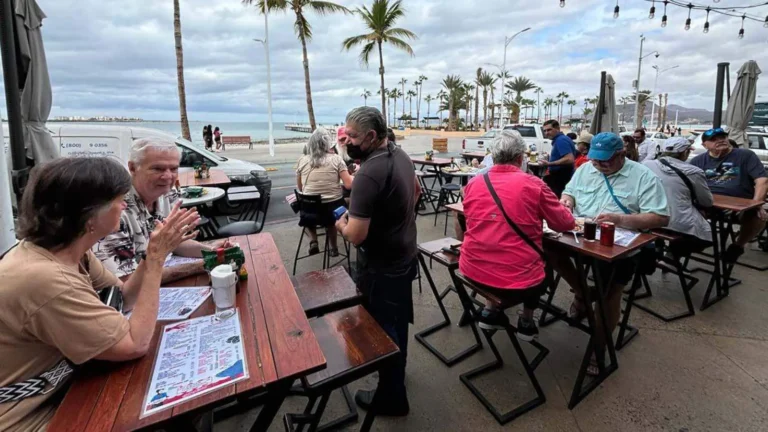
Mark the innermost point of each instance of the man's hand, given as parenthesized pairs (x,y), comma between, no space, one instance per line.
(567,201)
(177,228)
(544,162)
(221,244)
(342,223)
(615,218)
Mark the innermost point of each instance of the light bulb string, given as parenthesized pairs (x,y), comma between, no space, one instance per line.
(732,11)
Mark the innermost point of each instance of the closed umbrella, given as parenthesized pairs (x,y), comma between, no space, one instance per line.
(36,96)
(605,117)
(741,105)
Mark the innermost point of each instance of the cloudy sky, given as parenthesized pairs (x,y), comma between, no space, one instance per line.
(118,58)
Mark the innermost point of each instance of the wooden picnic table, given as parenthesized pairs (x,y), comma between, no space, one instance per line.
(217,178)
(279,347)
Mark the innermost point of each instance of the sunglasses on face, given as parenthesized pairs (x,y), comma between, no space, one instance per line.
(715,131)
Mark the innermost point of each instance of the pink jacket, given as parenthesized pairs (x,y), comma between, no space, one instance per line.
(492,253)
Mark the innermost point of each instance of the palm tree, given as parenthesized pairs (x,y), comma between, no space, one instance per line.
(643,96)
(366,94)
(180,72)
(571,103)
(411,94)
(538,92)
(562,96)
(429,100)
(452,83)
(440,97)
(468,89)
(403,82)
(519,85)
(380,20)
(420,81)
(303,32)
(397,94)
(477,95)
(548,103)
(486,81)
(528,104)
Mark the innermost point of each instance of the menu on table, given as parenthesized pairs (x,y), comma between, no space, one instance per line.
(195,357)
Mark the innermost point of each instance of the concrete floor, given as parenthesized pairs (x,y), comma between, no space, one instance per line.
(703,373)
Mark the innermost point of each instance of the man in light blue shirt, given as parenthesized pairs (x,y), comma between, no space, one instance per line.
(611,188)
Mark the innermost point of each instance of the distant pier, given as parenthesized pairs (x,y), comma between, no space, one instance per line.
(305,128)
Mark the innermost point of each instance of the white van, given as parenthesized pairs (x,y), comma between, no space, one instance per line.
(110,140)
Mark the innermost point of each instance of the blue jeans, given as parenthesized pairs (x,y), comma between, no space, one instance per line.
(388,299)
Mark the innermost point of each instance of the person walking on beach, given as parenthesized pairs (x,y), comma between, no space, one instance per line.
(209,138)
(217,138)
(205,138)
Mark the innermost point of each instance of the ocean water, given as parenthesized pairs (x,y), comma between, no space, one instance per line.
(257,130)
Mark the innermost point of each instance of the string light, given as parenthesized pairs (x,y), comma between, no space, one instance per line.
(653,10)
(706,24)
(766,22)
(562,3)
(664,18)
(616,10)
(741,32)
(688,21)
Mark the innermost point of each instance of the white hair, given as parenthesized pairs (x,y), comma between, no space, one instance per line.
(140,147)
(318,146)
(508,146)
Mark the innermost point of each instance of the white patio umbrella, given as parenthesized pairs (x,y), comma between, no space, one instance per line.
(36,98)
(741,105)
(606,109)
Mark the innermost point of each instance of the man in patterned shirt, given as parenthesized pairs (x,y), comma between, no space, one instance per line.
(154,166)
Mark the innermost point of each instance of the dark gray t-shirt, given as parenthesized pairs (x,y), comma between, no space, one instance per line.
(391,241)
(733,175)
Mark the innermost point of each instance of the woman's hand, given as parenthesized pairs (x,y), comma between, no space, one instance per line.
(170,233)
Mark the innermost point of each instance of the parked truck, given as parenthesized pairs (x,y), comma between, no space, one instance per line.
(533,134)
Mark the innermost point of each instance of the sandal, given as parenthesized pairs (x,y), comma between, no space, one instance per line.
(314,249)
(577,311)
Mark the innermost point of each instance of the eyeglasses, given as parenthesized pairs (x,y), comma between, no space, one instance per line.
(715,131)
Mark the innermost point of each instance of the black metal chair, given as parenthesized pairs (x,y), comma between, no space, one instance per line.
(449,194)
(310,210)
(252,221)
(462,283)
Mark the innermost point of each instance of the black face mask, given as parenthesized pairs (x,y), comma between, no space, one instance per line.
(356,151)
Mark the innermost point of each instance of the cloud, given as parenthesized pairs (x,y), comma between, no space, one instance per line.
(118,58)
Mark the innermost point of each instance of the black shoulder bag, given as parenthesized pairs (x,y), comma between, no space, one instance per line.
(548,272)
(685,180)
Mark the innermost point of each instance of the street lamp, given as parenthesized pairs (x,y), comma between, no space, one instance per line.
(637,82)
(655,82)
(265,43)
(507,41)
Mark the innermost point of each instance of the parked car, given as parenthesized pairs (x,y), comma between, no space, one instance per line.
(96,140)
(758,143)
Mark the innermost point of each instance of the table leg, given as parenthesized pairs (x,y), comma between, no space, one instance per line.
(579,392)
(716,279)
(274,401)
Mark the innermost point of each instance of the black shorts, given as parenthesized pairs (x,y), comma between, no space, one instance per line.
(687,245)
(325,217)
(624,270)
(529,297)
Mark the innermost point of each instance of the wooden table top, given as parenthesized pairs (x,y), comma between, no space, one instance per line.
(724,202)
(279,345)
(432,250)
(593,249)
(328,289)
(217,178)
(479,155)
(434,162)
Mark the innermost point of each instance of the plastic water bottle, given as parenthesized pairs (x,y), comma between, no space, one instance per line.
(533,148)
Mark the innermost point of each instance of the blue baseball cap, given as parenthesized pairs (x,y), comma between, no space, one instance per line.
(604,146)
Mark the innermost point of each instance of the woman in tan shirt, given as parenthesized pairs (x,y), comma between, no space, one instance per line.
(321,172)
(50,314)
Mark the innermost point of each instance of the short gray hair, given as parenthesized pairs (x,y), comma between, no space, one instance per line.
(507,147)
(318,146)
(368,119)
(140,147)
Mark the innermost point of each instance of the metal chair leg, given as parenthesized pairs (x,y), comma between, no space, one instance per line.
(298,250)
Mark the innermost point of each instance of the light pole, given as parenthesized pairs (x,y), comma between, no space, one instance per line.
(507,41)
(639,122)
(265,43)
(656,82)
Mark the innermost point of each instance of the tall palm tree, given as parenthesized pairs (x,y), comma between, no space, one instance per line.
(548,103)
(411,94)
(468,89)
(477,95)
(429,100)
(440,97)
(561,97)
(416,86)
(486,81)
(538,92)
(380,20)
(303,32)
(420,81)
(397,94)
(571,103)
(643,97)
(180,72)
(519,85)
(452,84)
(366,94)
(403,82)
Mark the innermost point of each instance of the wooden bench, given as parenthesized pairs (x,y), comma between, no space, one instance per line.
(354,346)
(324,291)
(236,139)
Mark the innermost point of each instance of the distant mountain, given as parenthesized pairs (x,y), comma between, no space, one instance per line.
(687,115)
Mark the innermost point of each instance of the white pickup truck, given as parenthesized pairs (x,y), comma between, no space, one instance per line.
(533,135)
